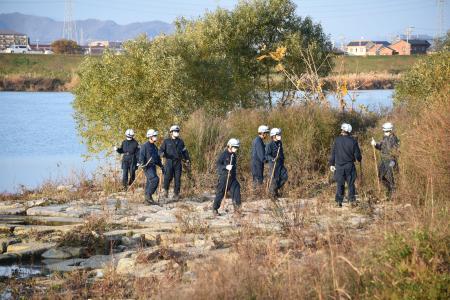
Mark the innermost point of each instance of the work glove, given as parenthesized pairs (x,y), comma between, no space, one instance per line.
(229,167)
(391,163)
(138,165)
(188,163)
(332,168)
(373,143)
(115,148)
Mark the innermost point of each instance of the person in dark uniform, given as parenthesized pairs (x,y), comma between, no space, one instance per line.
(344,153)
(389,150)
(130,151)
(148,159)
(227,169)
(259,158)
(174,151)
(275,157)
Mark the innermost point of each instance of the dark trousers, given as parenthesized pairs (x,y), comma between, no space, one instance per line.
(280,176)
(386,174)
(128,168)
(173,169)
(257,172)
(233,187)
(343,174)
(152,181)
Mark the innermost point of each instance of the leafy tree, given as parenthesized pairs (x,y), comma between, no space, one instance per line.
(141,89)
(421,84)
(210,63)
(66,47)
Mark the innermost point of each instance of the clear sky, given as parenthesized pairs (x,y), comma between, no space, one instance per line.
(342,19)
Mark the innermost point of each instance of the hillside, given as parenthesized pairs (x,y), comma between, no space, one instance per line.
(47,30)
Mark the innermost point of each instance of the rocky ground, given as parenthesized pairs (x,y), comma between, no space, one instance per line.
(118,231)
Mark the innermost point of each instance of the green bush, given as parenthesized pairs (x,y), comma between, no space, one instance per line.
(418,87)
(411,266)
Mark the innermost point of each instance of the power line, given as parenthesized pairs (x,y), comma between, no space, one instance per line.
(69,27)
(441,13)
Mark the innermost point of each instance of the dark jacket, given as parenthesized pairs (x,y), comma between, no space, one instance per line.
(174,149)
(388,146)
(149,151)
(130,150)
(272,150)
(224,160)
(345,151)
(258,150)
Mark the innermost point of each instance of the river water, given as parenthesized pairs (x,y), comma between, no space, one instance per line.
(39,142)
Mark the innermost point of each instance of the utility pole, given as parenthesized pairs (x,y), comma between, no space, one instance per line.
(441,16)
(408,32)
(81,36)
(69,27)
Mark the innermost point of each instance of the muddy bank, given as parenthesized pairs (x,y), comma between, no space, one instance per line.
(24,83)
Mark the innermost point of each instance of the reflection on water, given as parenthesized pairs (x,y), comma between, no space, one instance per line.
(22,271)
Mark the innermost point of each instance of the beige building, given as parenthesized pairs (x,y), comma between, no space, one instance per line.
(359,48)
(10,37)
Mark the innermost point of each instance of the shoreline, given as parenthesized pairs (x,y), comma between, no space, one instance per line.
(362,81)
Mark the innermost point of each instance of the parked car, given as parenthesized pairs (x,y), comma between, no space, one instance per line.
(17,49)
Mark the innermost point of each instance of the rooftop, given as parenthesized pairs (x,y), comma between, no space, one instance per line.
(359,43)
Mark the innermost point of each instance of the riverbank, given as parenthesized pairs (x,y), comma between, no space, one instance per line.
(362,81)
(25,72)
(89,243)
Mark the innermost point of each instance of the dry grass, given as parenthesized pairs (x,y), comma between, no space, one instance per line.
(362,81)
(190,221)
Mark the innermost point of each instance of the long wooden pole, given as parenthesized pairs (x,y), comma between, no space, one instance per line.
(226,184)
(273,170)
(376,169)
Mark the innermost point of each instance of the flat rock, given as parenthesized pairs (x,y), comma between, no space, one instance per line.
(92,263)
(55,221)
(76,211)
(65,266)
(64,253)
(37,202)
(53,211)
(125,266)
(162,216)
(12,209)
(28,250)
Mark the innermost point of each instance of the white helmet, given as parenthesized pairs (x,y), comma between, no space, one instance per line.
(346,127)
(152,132)
(275,131)
(234,143)
(129,133)
(263,129)
(388,126)
(174,128)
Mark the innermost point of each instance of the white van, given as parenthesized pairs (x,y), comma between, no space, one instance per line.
(17,49)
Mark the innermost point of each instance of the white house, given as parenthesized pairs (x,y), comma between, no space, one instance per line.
(359,47)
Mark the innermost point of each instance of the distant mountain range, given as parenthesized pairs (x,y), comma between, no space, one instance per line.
(47,30)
